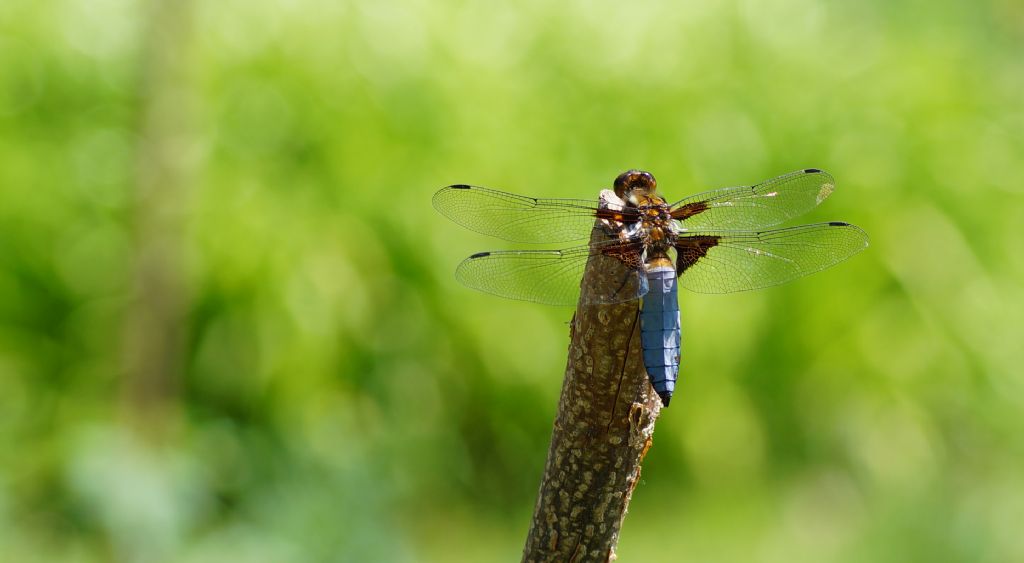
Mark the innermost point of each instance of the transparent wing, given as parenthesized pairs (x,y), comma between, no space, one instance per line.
(723,262)
(754,207)
(552,277)
(514,217)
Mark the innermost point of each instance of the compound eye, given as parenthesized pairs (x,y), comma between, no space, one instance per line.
(634,180)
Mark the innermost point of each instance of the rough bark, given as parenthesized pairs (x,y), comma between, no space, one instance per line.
(602,430)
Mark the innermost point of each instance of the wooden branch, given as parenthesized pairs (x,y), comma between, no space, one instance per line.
(602,431)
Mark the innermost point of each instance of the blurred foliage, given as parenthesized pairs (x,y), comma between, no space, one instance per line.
(338,397)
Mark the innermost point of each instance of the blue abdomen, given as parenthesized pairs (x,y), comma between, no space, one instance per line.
(660,331)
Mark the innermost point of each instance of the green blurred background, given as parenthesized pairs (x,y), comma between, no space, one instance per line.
(229,329)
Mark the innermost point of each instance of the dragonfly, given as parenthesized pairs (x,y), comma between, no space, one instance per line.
(713,242)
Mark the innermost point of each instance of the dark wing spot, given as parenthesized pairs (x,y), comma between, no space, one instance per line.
(838,224)
(691,249)
(459,187)
(812,170)
(480,255)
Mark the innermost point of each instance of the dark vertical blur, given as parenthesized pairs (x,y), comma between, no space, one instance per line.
(153,333)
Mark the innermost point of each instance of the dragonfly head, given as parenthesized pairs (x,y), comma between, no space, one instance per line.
(632,181)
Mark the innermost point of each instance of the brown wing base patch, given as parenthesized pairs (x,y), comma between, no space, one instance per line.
(627,215)
(691,249)
(688,210)
(629,253)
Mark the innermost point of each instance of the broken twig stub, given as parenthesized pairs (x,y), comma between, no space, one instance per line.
(603,427)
